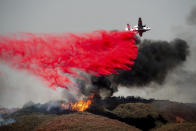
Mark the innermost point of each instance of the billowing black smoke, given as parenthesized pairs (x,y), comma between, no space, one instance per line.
(155,60)
(97,85)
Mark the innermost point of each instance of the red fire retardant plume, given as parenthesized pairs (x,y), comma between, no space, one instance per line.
(52,57)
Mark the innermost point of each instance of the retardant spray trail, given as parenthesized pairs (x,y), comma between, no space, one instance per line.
(51,57)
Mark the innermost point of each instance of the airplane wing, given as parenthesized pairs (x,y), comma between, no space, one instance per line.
(140,22)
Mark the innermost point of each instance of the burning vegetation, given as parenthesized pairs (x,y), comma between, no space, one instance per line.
(81,105)
(179,119)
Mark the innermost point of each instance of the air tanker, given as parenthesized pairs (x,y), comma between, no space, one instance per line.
(138,28)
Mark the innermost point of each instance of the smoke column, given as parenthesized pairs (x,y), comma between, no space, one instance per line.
(54,57)
(155,60)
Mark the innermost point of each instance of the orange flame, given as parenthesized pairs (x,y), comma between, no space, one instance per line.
(65,106)
(81,105)
(179,119)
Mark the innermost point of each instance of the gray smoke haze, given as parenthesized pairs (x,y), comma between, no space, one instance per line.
(18,87)
(191,19)
(6,121)
(179,86)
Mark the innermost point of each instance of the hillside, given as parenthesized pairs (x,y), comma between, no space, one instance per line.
(84,121)
(27,122)
(170,110)
(117,113)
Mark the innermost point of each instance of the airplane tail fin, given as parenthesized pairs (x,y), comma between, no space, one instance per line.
(128,27)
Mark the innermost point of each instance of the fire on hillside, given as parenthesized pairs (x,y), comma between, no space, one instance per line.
(81,105)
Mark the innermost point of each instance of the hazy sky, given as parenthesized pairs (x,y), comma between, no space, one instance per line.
(88,15)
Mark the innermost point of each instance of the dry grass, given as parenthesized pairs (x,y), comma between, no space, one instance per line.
(83,121)
(27,122)
(135,110)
